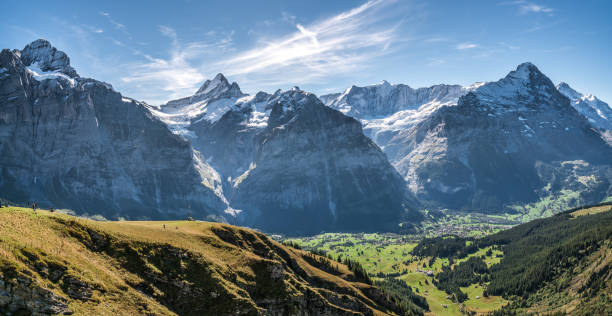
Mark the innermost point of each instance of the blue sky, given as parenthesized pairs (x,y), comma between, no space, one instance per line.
(160,50)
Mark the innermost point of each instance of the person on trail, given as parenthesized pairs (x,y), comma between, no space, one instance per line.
(164,226)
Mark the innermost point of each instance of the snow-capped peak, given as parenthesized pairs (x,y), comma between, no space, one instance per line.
(219,84)
(47,58)
(596,111)
(523,72)
(517,88)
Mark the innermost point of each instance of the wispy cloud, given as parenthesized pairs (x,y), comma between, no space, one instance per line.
(338,44)
(114,23)
(179,75)
(526,7)
(435,61)
(467,45)
(534,8)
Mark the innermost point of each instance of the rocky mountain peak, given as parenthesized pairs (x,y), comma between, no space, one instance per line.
(47,58)
(523,86)
(525,72)
(218,81)
(218,85)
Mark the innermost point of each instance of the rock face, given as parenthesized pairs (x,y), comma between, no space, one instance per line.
(513,141)
(281,162)
(385,99)
(229,143)
(24,295)
(386,110)
(292,165)
(314,170)
(75,143)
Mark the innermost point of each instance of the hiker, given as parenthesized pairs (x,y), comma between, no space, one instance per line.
(164,226)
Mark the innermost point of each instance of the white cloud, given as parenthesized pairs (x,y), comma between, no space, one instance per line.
(463,46)
(336,45)
(161,79)
(534,8)
(116,24)
(526,7)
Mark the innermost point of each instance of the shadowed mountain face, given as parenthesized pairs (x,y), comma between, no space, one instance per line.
(281,162)
(285,162)
(292,165)
(75,143)
(510,141)
(513,141)
(313,169)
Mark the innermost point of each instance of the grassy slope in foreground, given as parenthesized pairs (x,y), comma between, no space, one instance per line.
(53,263)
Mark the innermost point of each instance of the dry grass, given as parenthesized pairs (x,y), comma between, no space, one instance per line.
(591,210)
(234,262)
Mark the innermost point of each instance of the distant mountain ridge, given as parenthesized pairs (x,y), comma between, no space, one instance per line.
(282,162)
(286,162)
(436,144)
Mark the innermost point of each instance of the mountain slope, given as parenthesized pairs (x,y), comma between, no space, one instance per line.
(291,165)
(559,264)
(313,169)
(75,143)
(453,144)
(56,263)
(519,129)
(597,112)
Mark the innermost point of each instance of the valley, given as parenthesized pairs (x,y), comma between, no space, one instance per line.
(432,266)
(490,198)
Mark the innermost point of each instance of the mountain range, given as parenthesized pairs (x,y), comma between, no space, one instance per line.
(291,162)
(491,145)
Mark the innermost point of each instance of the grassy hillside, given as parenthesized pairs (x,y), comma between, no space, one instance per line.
(558,264)
(561,264)
(390,258)
(56,263)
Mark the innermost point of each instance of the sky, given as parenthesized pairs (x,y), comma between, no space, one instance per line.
(157,51)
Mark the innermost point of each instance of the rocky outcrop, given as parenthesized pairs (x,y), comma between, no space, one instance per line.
(23,295)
